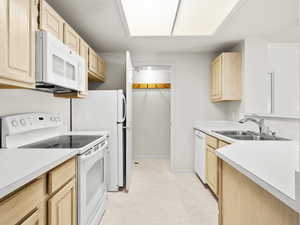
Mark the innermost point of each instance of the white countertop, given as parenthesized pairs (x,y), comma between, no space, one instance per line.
(20,166)
(270,164)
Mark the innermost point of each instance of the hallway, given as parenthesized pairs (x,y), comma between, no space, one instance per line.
(159,197)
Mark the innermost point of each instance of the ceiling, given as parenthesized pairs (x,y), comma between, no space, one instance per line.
(102,24)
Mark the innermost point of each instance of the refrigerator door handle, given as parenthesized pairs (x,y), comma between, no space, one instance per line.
(124,105)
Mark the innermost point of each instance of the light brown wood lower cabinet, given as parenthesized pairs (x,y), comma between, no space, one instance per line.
(212,169)
(62,206)
(35,219)
(19,205)
(48,200)
(243,202)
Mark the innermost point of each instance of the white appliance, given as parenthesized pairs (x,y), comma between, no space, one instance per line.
(92,184)
(104,110)
(200,155)
(47,131)
(58,68)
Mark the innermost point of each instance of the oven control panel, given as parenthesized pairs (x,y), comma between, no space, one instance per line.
(20,123)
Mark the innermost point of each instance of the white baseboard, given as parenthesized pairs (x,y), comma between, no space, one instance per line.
(182,170)
(151,157)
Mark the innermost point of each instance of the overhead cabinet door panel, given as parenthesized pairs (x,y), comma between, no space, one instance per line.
(51,21)
(93,67)
(17,40)
(71,38)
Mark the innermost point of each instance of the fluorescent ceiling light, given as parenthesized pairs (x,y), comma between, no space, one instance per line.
(150,17)
(202,17)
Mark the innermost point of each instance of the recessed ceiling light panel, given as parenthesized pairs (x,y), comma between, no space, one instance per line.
(150,17)
(202,17)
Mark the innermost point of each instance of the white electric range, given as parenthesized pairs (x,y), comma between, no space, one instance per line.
(47,132)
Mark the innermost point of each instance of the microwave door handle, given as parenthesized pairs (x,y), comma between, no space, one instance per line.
(124,105)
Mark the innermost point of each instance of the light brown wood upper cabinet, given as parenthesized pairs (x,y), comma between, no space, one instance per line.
(96,67)
(226,77)
(18,23)
(216,78)
(93,62)
(84,52)
(51,21)
(71,38)
(62,209)
(101,68)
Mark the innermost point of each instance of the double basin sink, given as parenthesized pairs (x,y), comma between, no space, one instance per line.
(249,136)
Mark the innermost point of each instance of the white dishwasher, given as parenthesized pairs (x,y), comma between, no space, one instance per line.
(200,155)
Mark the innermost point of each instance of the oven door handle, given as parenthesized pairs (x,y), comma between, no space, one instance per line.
(92,153)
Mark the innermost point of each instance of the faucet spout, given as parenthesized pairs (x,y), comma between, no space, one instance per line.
(259,121)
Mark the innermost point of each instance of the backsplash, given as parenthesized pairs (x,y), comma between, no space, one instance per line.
(285,127)
(14,101)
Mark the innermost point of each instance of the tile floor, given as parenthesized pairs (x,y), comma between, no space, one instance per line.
(159,197)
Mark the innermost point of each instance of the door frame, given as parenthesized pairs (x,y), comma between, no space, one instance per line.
(172,64)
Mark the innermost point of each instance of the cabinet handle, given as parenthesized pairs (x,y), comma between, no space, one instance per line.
(272,93)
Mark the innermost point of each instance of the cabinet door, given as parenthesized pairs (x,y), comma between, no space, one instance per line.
(71,38)
(35,219)
(284,80)
(216,78)
(84,52)
(20,204)
(18,19)
(101,68)
(212,169)
(51,21)
(244,202)
(62,206)
(93,61)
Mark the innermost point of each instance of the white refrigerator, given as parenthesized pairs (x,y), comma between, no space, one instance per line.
(104,110)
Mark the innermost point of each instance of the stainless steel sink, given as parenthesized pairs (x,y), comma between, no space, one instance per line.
(249,136)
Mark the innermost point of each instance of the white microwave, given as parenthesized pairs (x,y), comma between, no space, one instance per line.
(59,69)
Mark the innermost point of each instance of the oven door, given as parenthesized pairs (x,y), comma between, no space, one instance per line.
(91,183)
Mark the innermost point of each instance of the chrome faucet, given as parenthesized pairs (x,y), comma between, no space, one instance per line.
(257,120)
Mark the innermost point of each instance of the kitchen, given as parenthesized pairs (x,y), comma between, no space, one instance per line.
(183,72)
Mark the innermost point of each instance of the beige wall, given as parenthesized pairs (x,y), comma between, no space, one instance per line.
(14,101)
(151,123)
(190,100)
(115,72)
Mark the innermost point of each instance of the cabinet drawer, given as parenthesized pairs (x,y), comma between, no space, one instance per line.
(223,144)
(22,203)
(34,219)
(61,175)
(212,141)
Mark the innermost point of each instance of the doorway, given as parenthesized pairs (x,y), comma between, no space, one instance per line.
(151,112)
